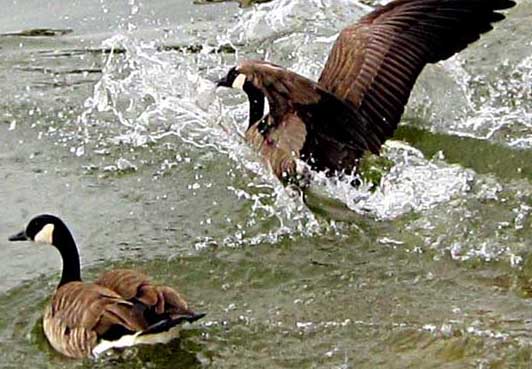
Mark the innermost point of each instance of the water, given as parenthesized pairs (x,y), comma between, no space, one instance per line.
(108,119)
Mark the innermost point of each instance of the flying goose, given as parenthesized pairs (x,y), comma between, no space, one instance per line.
(362,91)
(122,308)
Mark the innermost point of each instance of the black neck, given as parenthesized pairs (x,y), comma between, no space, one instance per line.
(256,103)
(69,253)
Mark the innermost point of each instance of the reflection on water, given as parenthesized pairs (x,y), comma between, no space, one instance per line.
(425,264)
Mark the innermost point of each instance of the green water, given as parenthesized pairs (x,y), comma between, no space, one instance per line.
(446,282)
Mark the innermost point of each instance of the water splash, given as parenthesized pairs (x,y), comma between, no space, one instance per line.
(154,95)
(280,18)
(498,109)
(413,184)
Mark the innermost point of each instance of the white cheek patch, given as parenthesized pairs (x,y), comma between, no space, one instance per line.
(239,81)
(45,234)
(266,107)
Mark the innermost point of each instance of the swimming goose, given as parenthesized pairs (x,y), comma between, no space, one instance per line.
(122,308)
(364,86)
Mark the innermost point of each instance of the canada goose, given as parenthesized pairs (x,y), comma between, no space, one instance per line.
(122,308)
(362,91)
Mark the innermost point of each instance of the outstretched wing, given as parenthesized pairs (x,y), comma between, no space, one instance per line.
(375,63)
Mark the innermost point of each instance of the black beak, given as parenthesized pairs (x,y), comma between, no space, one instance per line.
(223,82)
(21,236)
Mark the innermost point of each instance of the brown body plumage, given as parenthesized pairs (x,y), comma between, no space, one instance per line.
(364,86)
(121,308)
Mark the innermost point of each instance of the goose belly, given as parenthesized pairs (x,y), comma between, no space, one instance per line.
(136,339)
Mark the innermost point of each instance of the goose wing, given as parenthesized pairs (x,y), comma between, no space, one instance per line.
(134,286)
(80,314)
(328,133)
(375,63)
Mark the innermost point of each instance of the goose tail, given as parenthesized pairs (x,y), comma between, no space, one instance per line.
(168,324)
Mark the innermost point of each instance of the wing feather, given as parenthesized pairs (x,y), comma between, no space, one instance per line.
(327,120)
(79,314)
(132,285)
(374,64)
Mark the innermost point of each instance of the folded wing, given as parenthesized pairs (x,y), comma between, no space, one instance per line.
(80,314)
(160,301)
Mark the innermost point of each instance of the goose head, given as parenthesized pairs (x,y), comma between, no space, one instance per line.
(241,77)
(44,228)
(233,79)
(50,230)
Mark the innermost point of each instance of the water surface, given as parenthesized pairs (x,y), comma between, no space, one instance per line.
(108,119)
